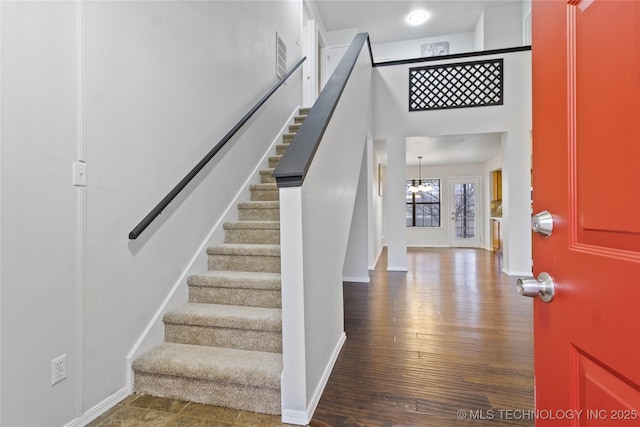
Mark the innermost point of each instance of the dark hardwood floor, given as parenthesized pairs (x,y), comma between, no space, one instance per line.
(449,343)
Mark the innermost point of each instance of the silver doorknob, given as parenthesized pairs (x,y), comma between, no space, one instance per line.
(542,223)
(543,286)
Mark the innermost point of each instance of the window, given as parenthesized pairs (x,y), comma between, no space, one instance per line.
(423,207)
(465,210)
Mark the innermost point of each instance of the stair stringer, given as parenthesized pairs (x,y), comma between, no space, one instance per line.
(153,333)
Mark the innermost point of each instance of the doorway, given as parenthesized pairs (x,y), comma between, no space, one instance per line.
(465,195)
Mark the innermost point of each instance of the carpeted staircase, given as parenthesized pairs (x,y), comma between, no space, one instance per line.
(224,347)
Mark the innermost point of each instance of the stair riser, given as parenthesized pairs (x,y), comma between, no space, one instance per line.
(247,297)
(281,148)
(273,161)
(267,178)
(252,236)
(235,396)
(265,195)
(259,214)
(241,339)
(288,137)
(262,264)
(299,119)
(294,128)
(304,111)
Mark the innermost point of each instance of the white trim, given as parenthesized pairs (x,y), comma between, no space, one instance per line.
(100,408)
(517,273)
(428,246)
(80,70)
(81,210)
(81,259)
(396,268)
(0,209)
(307,6)
(302,418)
(157,317)
(299,418)
(377,258)
(364,279)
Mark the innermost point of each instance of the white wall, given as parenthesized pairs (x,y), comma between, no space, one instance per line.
(356,262)
(503,26)
(375,152)
(40,212)
(392,119)
(340,37)
(394,196)
(159,83)
(458,43)
(478,34)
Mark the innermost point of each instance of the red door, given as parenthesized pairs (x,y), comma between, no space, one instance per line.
(586,173)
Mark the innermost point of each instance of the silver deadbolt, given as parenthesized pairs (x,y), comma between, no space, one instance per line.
(542,223)
(543,286)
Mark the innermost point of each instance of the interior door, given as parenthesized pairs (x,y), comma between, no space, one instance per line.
(466,221)
(586,148)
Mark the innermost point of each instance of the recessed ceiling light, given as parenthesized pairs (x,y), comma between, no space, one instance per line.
(418,17)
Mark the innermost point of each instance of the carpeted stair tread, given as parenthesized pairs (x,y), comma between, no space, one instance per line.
(252,225)
(259,210)
(281,148)
(245,249)
(226,316)
(266,175)
(257,204)
(274,160)
(236,279)
(268,186)
(246,367)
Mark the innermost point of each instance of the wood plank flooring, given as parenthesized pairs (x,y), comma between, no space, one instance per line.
(450,335)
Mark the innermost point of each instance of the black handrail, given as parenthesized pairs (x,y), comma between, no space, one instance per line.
(295,163)
(202,163)
(453,56)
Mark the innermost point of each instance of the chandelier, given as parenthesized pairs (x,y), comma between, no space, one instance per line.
(421,187)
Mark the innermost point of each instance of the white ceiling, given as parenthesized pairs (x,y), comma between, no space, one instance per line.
(385,21)
(453,149)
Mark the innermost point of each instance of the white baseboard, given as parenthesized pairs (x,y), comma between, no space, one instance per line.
(428,246)
(301,417)
(100,408)
(396,268)
(377,258)
(364,279)
(516,273)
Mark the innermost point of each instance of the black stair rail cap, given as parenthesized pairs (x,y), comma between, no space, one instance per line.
(296,161)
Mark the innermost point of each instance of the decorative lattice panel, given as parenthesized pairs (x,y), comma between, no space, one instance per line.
(460,85)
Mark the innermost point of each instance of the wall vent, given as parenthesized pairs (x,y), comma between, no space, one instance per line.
(281,57)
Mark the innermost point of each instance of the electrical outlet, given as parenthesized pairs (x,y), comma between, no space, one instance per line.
(58,369)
